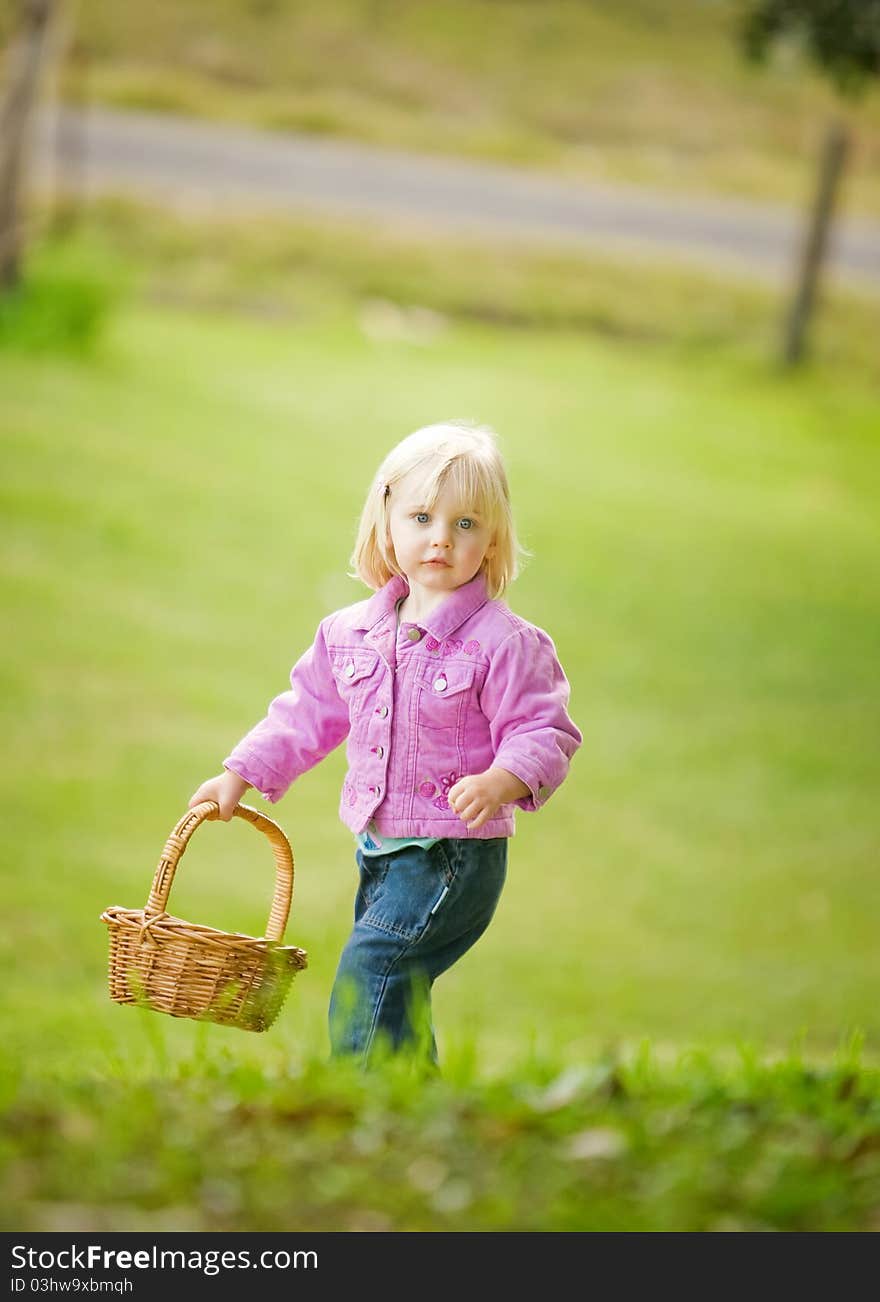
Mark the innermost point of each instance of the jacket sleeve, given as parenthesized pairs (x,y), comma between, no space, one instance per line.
(302,726)
(525,698)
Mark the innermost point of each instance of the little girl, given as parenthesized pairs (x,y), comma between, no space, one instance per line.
(455,713)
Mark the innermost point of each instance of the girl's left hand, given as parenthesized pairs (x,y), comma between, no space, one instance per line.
(478,797)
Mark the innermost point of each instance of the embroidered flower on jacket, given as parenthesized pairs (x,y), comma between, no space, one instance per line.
(428,790)
(432,645)
(471,648)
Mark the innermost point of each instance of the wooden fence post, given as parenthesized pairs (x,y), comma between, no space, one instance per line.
(26,58)
(798,317)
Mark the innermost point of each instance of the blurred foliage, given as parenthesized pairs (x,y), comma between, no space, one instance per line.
(64,303)
(841,36)
(615,1144)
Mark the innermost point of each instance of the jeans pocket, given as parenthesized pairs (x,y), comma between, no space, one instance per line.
(412,888)
(373,871)
(478,871)
(439,855)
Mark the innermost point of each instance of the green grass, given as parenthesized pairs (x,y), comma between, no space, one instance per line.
(624,1144)
(179,508)
(647,91)
(397,282)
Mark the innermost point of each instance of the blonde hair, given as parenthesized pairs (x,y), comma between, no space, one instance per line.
(457,453)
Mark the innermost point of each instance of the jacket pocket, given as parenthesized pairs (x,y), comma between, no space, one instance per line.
(356,674)
(351,667)
(443,692)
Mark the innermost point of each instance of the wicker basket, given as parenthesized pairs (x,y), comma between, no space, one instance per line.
(161,962)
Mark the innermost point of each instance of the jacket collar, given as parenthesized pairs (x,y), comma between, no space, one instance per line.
(382,603)
(444,620)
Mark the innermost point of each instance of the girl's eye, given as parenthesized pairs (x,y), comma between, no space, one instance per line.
(422,517)
(466,522)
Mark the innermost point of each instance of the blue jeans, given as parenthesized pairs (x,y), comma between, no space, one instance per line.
(416,912)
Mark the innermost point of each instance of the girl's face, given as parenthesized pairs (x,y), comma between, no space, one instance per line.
(440,547)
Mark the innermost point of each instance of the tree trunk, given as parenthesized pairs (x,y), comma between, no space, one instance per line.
(830,170)
(27,54)
(69,150)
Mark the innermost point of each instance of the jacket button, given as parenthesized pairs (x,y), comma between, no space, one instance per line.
(379,751)
(349,671)
(414,634)
(440,684)
(382,711)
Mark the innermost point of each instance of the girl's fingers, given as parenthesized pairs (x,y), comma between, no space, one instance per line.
(483,814)
(471,812)
(470,808)
(462,789)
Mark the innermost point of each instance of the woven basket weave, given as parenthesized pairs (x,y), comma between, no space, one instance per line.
(161,962)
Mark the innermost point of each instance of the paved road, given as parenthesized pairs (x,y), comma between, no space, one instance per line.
(218,167)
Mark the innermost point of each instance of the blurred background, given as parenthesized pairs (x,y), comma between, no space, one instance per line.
(245,247)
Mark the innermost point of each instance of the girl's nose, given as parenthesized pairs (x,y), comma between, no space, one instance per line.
(441,536)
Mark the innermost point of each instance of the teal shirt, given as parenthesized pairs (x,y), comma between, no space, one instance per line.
(370,842)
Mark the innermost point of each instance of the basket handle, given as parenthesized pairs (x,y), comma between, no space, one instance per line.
(207,811)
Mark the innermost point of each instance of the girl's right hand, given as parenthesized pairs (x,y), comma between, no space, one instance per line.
(227,789)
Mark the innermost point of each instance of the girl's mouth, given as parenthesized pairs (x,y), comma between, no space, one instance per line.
(444,565)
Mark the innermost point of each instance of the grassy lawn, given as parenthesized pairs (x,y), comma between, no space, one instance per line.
(180,503)
(647,91)
(616,1145)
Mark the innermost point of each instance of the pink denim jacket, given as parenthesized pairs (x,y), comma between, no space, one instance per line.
(422,706)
